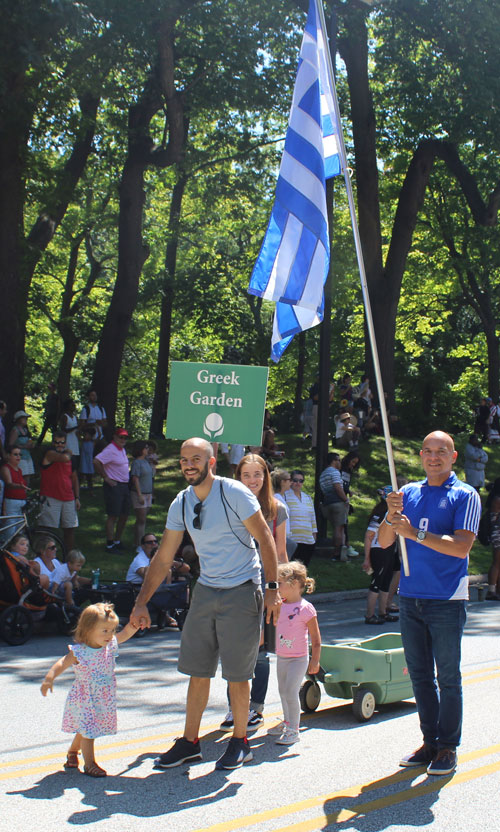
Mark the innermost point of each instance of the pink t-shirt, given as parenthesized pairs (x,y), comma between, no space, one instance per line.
(291,631)
(115,462)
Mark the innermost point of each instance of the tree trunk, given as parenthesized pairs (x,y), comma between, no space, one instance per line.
(168,293)
(19,257)
(384,284)
(132,254)
(71,345)
(354,50)
(13,308)
(159,93)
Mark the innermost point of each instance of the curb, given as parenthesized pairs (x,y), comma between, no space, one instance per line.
(356,594)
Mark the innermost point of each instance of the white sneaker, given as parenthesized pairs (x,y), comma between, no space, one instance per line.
(277,730)
(228,722)
(254,719)
(344,552)
(352,552)
(288,737)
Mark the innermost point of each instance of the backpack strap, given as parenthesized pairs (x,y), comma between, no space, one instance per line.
(225,503)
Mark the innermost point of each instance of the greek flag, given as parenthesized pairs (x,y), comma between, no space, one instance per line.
(292,265)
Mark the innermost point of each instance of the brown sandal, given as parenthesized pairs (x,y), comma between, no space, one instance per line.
(71,760)
(93,770)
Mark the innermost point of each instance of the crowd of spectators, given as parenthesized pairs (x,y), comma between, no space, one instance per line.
(79,451)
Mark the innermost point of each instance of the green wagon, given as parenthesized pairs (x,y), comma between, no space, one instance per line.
(370,672)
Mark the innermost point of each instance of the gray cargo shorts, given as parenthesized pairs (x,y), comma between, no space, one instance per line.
(225,623)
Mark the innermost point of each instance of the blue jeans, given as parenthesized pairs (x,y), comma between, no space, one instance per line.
(432,633)
(260,681)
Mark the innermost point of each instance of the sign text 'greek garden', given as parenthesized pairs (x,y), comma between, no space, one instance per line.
(219,402)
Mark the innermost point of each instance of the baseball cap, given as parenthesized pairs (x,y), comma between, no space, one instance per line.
(18,414)
(121,432)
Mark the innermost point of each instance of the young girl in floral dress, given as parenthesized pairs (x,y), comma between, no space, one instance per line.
(90,708)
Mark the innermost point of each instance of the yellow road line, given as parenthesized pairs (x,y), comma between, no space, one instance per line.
(363,809)
(480,670)
(477,679)
(351,791)
(155,741)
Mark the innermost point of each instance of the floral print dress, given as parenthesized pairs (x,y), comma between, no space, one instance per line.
(90,708)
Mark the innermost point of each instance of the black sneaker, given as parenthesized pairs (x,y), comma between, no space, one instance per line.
(254,719)
(116,548)
(445,762)
(182,751)
(421,757)
(227,723)
(237,752)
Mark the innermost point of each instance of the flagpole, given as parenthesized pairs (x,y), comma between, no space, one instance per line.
(364,285)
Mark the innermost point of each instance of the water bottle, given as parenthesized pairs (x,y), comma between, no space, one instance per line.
(95,578)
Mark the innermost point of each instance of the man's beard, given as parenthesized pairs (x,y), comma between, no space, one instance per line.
(201,477)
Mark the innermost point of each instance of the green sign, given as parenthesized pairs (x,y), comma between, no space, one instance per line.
(219,402)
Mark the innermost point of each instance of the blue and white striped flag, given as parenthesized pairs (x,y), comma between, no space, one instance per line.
(292,265)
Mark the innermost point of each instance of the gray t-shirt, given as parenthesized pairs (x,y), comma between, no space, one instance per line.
(227,553)
(142,469)
(281,516)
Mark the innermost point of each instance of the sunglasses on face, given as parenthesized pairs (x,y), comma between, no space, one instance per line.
(197,518)
(51,548)
(295,480)
(150,541)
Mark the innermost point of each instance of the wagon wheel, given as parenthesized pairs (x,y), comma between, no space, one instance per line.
(363,705)
(310,696)
(16,625)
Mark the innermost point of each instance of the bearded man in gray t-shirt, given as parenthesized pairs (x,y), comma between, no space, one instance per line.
(223,518)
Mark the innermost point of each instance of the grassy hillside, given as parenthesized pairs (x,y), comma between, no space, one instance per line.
(372,474)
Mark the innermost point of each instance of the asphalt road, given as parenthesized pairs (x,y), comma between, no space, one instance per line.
(342,776)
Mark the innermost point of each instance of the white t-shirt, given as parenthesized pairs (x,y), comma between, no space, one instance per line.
(141,561)
(90,414)
(236,452)
(63,573)
(56,570)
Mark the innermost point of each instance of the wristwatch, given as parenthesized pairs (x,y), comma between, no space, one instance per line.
(421,534)
(272,585)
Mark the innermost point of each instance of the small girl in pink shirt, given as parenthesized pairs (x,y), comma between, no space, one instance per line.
(297,622)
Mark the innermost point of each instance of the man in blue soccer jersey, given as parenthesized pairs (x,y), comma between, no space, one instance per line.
(439,519)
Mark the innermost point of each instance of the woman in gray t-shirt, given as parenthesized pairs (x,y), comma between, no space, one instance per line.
(141,487)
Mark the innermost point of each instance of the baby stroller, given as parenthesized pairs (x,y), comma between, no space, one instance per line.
(23,602)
